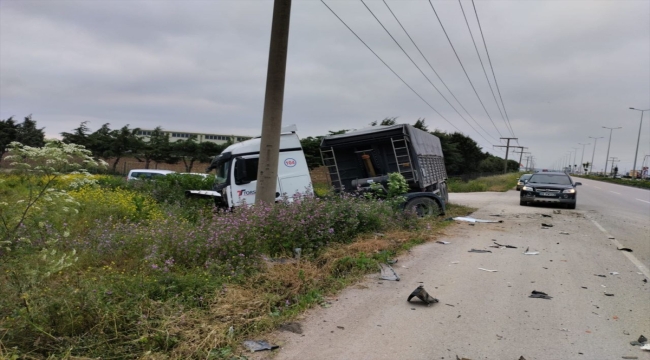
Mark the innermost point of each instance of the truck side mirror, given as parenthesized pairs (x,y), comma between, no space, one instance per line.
(240,172)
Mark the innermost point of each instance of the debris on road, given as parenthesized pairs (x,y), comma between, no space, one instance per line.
(454,262)
(293,327)
(480,251)
(564,233)
(640,341)
(391,261)
(613,273)
(443,242)
(540,295)
(472,220)
(530,252)
(624,249)
(506,246)
(387,273)
(457,358)
(498,215)
(547,225)
(546,215)
(450,305)
(611,238)
(584,287)
(557,211)
(630,357)
(600,275)
(422,294)
(487,270)
(646,347)
(260,345)
(340,327)
(608,294)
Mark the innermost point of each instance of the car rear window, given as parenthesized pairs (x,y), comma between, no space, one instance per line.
(549,179)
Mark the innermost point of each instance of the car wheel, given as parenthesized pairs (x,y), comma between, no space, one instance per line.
(571,206)
(523,203)
(424,206)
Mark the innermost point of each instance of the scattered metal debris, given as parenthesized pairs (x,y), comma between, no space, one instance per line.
(624,249)
(613,273)
(487,270)
(340,327)
(454,262)
(645,347)
(564,233)
(540,295)
(450,305)
(472,220)
(506,246)
(443,242)
(640,341)
(557,211)
(530,252)
(422,294)
(547,225)
(608,294)
(546,215)
(630,357)
(387,273)
(600,275)
(464,358)
(293,327)
(611,238)
(480,251)
(260,345)
(584,287)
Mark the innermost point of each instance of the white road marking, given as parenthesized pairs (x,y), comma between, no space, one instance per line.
(615,192)
(631,257)
(644,201)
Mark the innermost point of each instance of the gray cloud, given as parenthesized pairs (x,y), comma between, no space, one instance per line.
(565,68)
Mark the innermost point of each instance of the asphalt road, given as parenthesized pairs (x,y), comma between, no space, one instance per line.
(488,315)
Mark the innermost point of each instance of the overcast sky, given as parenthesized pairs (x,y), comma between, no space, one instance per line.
(564,68)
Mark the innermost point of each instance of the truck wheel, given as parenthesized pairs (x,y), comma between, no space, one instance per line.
(423,206)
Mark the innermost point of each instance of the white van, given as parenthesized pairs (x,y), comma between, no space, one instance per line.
(147,174)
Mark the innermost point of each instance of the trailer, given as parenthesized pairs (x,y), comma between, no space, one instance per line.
(357,159)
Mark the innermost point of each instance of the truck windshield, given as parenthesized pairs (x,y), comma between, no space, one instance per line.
(222,173)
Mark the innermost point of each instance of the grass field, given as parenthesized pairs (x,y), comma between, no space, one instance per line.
(488,183)
(100,268)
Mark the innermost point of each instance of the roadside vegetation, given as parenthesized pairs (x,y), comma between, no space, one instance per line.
(644,184)
(93,266)
(500,183)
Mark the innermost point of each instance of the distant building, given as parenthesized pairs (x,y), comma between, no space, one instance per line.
(200,137)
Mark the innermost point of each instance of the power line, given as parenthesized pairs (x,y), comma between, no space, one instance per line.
(491,67)
(462,66)
(482,65)
(389,68)
(435,72)
(422,72)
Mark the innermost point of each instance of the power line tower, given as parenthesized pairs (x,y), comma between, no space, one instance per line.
(507,146)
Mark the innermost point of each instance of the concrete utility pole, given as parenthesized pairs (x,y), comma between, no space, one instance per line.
(527,158)
(267,172)
(582,158)
(521,153)
(505,165)
(636,152)
(610,143)
(591,168)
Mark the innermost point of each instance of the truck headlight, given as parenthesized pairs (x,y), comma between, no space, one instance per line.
(569,191)
(527,188)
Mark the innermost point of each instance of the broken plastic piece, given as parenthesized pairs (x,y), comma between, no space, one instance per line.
(540,295)
(422,294)
(443,242)
(600,275)
(507,246)
(608,294)
(530,252)
(480,251)
(387,273)
(646,347)
(260,345)
(546,215)
(564,233)
(624,249)
(487,270)
(613,273)
(547,225)
(472,220)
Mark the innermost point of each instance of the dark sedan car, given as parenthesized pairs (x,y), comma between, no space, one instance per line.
(550,187)
(522,181)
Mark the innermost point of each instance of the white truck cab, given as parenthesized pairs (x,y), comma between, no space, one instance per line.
(236,172)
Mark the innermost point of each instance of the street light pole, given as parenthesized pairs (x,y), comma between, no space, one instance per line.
(575,153)
(636,152)
(609,144)
(591,168)
(582,158)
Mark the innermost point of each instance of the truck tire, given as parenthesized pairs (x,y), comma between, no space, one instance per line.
(424,206)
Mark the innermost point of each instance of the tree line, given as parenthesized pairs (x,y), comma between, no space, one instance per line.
(462,154)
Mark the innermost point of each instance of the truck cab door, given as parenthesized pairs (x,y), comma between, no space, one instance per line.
(244,180)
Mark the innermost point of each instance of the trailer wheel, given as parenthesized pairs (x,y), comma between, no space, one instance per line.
(424,206)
